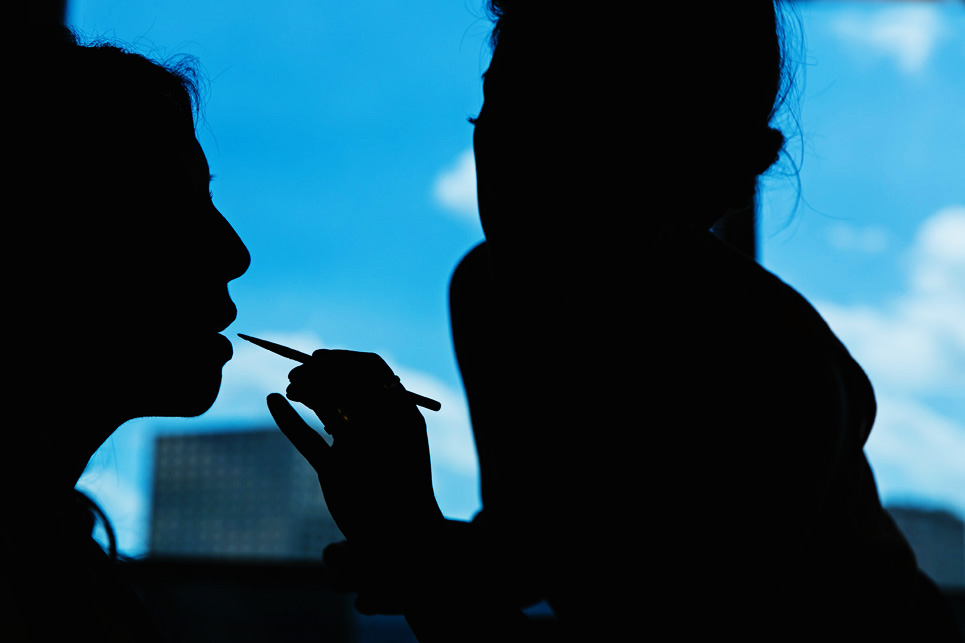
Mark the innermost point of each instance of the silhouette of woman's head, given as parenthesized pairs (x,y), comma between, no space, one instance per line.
(123,263)
(595,120)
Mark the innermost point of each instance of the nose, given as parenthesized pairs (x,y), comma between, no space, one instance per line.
(242,257)
(237,259)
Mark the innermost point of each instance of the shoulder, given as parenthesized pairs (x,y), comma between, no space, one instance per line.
(473,266)
(470,285)
(731,293)
(732,328)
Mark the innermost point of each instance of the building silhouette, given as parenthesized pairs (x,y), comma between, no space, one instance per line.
(240,494)
(938,540)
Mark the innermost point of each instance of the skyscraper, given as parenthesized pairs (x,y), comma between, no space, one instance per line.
(242,494)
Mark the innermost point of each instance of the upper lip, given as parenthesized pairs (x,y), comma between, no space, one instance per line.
(226,316)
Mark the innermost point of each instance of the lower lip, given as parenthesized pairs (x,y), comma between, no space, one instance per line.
(227,350)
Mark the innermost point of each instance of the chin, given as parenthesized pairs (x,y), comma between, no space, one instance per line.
(200,407)
(201,399)
(178,376)
(188,397)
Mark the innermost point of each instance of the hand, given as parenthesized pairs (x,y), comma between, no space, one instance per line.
(379,588)
(375,476)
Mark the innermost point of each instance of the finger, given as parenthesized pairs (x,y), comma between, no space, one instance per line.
(326,410)
(311,395)
(312,371)
(310,444)
(346,366)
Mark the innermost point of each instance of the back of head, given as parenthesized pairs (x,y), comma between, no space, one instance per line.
(665,106)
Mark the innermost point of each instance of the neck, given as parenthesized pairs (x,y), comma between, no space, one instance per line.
(66,451)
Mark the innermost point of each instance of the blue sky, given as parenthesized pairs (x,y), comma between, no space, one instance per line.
(337,135)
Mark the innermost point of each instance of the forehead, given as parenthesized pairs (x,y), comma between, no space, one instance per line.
(197,160)
(181,155)
(172,182)
(522,71)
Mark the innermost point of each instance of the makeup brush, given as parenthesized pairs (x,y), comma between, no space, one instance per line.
(299,356)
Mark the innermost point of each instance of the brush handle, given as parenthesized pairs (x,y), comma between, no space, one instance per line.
(424,402)
(299,356)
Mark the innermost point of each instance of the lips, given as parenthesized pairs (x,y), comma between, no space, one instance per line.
(228,315)
(195,327)
(229,312)
(227,350)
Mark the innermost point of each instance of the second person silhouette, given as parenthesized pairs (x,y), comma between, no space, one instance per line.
(670,438)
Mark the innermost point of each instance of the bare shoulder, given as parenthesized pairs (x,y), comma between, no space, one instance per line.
(473,265)
(736,291)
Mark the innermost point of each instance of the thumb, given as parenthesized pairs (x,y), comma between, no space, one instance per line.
(304,438)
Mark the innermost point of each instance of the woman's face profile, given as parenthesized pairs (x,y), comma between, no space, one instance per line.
(505,146)
(522,144)
(158,295)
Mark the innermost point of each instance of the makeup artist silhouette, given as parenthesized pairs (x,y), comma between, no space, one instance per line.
(670,438)
(118,264)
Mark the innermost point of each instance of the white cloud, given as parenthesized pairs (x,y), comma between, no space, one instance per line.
(455,187)
(908,34)
(917,453)
(916,342)
(913,349)
(939,260)
(870,240)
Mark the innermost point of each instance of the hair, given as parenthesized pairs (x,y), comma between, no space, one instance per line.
(112,68)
